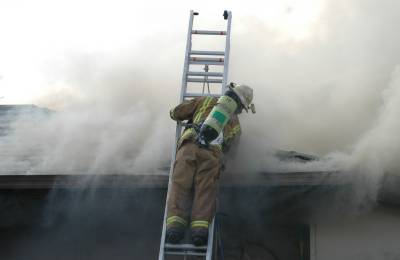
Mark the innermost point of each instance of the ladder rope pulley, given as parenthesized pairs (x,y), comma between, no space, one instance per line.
(206,68)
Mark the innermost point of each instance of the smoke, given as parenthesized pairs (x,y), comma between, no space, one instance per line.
(321,94)
(111,117)
(334,94)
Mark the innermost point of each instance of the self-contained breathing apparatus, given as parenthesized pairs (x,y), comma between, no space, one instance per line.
(232,102)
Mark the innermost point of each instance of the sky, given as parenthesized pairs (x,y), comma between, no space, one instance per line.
(36,35)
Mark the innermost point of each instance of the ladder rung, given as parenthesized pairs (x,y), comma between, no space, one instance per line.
(209,74)
(192,95)
(206,61)
(215,53)
(184,253)
(200,80)
(206,32)
(184,246)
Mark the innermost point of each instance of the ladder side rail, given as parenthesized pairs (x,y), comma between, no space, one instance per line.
(164,228)
(227,52)
(177,132)
(187,56)
(210,242)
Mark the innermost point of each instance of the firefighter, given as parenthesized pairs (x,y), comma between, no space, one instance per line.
(211,130)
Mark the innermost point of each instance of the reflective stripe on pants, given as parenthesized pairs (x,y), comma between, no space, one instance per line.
(199,224)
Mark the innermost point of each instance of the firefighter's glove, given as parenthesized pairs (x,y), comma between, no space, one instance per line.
(201,141)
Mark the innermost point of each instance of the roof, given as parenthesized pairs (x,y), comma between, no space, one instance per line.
(8,113)
(313,181)
(22,181)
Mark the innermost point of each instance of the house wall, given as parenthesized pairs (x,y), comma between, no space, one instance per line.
(369,235)
(120,223)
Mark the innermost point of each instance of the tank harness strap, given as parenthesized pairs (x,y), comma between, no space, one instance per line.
(202,109)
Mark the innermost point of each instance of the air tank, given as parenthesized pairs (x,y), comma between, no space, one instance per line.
(218,117)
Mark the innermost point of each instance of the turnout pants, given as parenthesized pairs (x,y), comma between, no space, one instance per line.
(193,190)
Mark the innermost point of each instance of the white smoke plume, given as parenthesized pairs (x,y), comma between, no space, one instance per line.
(325,95)
(112,120)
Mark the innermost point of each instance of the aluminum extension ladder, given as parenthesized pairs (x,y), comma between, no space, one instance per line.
(206,77)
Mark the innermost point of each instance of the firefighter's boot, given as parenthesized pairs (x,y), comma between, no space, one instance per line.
(174,234)
(199,236)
